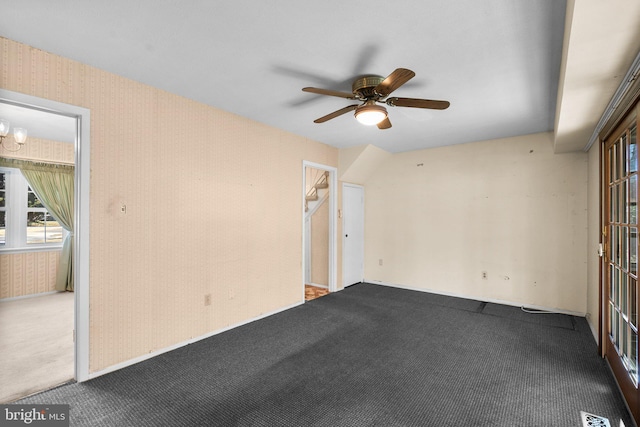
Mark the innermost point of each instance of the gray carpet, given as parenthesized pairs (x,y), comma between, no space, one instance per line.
(366,356)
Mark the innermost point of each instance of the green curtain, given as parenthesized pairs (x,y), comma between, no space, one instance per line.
(54,186)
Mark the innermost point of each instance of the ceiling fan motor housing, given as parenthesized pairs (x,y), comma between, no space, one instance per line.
(363,87)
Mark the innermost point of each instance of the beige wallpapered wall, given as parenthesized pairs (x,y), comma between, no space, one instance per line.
(28,273)
(510,208)
(42,150)
(213,207)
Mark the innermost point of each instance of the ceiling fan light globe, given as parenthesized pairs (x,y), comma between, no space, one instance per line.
(370,115)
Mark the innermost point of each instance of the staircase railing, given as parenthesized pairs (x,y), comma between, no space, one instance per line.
(321,181)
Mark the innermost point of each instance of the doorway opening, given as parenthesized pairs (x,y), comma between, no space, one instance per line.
(319,230)
(65,127)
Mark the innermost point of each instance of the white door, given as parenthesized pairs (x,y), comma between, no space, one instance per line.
(352,234)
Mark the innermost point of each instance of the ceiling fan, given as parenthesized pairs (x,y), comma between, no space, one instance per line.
(372,89)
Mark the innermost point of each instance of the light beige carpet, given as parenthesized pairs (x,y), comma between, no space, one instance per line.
(36,344)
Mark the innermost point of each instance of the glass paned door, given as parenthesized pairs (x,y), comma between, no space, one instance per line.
(621,252)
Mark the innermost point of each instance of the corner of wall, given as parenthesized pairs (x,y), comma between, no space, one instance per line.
(356,164)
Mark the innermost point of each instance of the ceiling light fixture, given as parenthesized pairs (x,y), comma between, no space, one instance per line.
(370,114)
(19,135)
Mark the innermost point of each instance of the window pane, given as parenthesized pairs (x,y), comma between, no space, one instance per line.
(54,230)
(35,227)
(633,199)
(620,197)
(612,165)
(623,296)
(33,201)
(42,228)
(633,251)
(624,252)
(614,244)
(3,229)
(624,337)
(623,156)
(617,329)
(613,193)
(633,304)
(633,356)
(612,282)
(3,190)
(616,168)
(612,321)
(633,151)
(624,197)
(616,288)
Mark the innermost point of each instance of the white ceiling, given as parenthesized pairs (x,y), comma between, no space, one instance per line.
(39,124)
(497,61)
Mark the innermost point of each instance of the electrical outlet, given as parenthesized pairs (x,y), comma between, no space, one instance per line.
(207,299)
(380,261)
(485,276)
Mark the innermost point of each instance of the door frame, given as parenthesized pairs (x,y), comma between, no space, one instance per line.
(307,250)
(81,216)
(333,208)
(360,187)
(630,391)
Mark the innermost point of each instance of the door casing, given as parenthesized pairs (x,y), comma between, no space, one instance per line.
(606,347)
(333,208)
(81,216)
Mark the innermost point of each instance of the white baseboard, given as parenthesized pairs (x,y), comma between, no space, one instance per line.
(28,296)
(139,359)
(153,354)
(476,298)
(317,285)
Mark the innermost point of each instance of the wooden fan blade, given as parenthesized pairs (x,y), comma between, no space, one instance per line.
(418,103)
(393,81)
(385,124)
(328,92)
(336,114)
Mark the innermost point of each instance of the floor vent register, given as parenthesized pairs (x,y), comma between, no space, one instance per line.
(590,420)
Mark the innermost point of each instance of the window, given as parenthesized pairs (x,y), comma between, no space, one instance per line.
(24,221)
(3,208)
